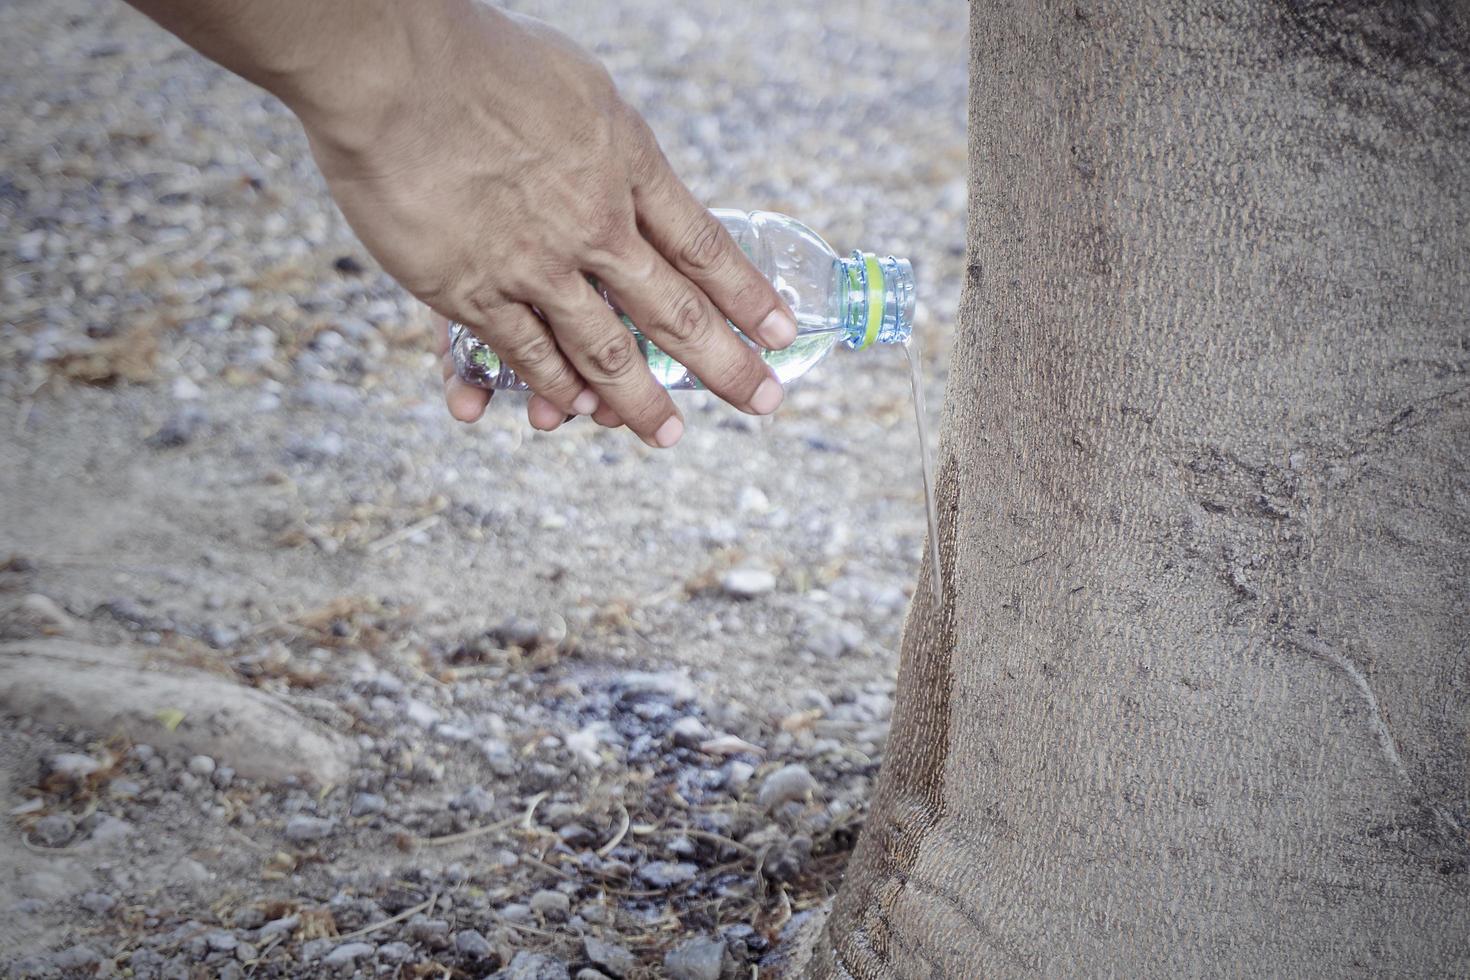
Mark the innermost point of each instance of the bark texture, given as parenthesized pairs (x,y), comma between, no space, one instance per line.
(1197,700)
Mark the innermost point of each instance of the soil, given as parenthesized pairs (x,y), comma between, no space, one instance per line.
(514,702)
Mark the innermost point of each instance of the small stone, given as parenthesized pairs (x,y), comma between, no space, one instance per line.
(420,714)
(469,942)
(109,828)
(588,973)
(747,583)
(315,949)
(223,777)
(73,765)
(366,804)
(666,874)
(668,684)
(302,828)
(700,958)
(284,926)
(517,912)
(551,905)
(526,965)
(45,614)
(423,929)
(201,765)
(55,830)
(518,631)
(348,953)
(247,917)
(455,734)
(124,789)
(476,799)
(76,958)
(576,835)
(688,732)
(614,960)
(791,782)
(179,429)
(221,941)
(396,952)
(98,903)
(737,774)
(835,641)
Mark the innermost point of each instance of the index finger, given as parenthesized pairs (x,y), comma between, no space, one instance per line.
(696,244)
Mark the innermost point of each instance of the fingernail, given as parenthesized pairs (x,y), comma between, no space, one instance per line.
(669,432)
(777,329)
(585,403)
(767,397)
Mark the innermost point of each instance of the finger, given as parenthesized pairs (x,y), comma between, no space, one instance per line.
(697,245)
(603,351)
(607,418)
(545,416)
(465,402)
(522,340)
(677,316)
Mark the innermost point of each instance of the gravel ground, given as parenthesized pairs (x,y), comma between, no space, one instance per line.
(601,708)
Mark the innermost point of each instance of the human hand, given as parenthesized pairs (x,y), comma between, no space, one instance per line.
(505,171)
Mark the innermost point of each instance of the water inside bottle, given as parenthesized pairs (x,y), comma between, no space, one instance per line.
(916,380)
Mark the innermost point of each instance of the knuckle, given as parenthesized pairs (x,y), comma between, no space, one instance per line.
(609,231)
(613,355)
(684,320)
(536,354)
(704,248)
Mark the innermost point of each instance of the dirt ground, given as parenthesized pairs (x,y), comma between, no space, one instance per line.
(372,692)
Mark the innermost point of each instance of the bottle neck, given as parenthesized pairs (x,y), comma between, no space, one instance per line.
(877,299)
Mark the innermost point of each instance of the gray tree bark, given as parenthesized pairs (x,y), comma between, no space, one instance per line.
(1195,701)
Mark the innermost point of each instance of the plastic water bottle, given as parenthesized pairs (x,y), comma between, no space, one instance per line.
(858,301)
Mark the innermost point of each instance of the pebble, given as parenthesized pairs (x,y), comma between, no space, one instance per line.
(666,874)
(551,905)
(526,965)
(836,641)
(221,941)
(98,903)
(76,958)
(247,917)
(699,958)
(180,428)
(302,828)
(469,942)
(790,782)
(737,774)
(669,684)
(109,828)
(201,765)
(348,953)
(46,613)
(419,713)
(366,804)
(284,926)
(689,732)
(424,929)
(614,960)
(576,835)
(747,583)
(55,830)
(73,765)
(394,952)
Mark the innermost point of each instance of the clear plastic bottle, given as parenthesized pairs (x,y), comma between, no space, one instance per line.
(859,300)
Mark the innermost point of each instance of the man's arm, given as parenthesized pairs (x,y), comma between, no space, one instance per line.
(490,166)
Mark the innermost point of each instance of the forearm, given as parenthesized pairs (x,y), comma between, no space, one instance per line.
(328,60)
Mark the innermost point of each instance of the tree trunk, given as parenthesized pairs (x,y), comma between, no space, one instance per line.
(1196,698)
